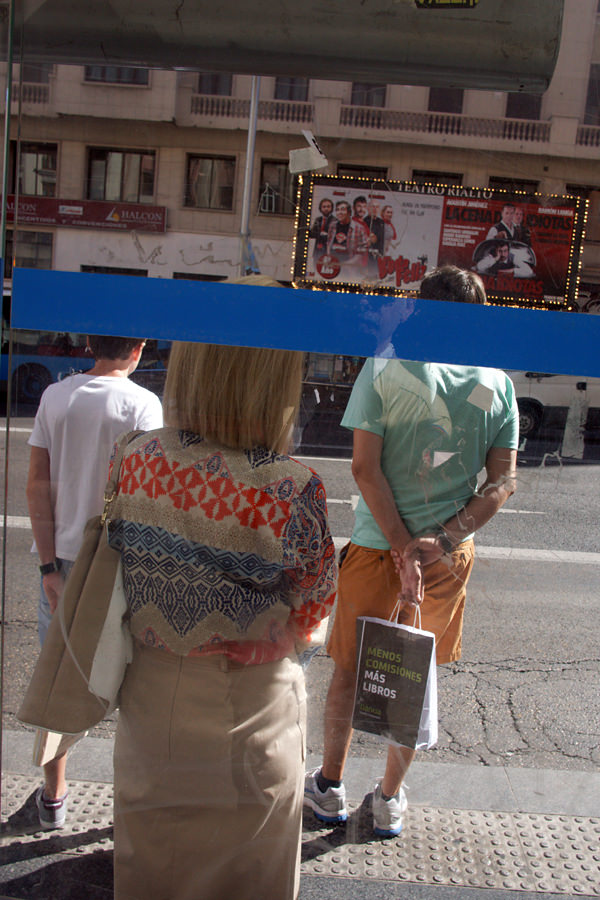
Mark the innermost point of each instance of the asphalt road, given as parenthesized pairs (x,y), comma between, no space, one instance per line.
(526,692)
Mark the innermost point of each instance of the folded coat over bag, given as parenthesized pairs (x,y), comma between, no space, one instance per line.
(88,637)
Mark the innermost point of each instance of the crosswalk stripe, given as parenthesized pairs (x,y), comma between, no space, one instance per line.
(482,552)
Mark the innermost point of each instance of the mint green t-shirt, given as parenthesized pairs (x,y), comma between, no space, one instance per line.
(438,423)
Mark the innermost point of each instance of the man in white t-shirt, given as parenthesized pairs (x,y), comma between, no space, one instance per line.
(74,432)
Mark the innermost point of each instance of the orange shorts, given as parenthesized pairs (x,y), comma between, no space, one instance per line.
(368,586)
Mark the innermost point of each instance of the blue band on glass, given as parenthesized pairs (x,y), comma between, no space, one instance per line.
(319,321)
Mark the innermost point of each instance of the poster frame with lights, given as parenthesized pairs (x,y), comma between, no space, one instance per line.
(370,236)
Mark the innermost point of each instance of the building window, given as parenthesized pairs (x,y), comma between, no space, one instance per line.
(425,176)
(592,103)
(209,182)
(114,270)
(116,74)
(375,173)
(523,106)
(125,175)
(33,250)
(36,73)
(291,89)
(366,94)
(445,100)
(216,83)
(513,184)
(277,188)
(37,169)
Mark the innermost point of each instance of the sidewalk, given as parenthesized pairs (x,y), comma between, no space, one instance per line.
(471,833)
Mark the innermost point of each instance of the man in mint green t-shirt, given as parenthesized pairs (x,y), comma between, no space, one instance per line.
(422,433)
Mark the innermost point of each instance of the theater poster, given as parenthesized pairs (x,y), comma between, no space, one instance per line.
(356,234)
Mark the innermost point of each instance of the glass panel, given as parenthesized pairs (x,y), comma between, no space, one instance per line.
(131,177)
(592,103)
(217,83)
(448,100)
(116,74)
(114,174)
(146,178)
(131,194)
(277,189)
(423,176)
(33,250)
(526,185)
(97,174)
(377,173)
(210,182)
(38,169)
(291,89)
(37,73)
(523,106)
(366,94)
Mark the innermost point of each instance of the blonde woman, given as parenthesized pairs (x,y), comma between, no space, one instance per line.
(228,566)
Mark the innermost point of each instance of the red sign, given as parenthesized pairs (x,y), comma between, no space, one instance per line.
(519,247)
(384,237)
(87,214)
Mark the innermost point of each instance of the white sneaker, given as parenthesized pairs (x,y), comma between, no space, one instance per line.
(52,813)
(387,814)
(328,806)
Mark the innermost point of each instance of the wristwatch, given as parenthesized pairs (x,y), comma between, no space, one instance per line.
(50,567)
(445,543)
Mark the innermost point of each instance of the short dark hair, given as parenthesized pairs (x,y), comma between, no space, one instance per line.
(344,203)
(360,199)
(325,200)
(452,283)
(105,347)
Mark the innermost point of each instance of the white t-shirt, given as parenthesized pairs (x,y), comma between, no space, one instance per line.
(78,422)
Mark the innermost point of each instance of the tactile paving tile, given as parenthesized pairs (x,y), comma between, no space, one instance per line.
(466,848)
(508,851)
(563,852)
(90,810)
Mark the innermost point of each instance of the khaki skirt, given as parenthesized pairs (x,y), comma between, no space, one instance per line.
(209,770)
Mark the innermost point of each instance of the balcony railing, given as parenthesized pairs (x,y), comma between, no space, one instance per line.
(271,110)
(213,105)
(588,136)
(285,111)
(32,93)
(444,123)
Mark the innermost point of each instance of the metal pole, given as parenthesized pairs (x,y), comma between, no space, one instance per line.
(7,111)
(245,222)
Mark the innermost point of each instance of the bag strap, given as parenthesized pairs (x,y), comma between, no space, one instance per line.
(396,612)
(111,489)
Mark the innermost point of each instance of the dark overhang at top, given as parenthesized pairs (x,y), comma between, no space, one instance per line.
(505,45)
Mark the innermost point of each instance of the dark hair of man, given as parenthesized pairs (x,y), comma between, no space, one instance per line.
(452,283)
(343,203)
(325,200)
(104,347)
(358,200)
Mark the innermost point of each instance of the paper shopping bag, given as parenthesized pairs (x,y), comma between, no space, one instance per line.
(396,683)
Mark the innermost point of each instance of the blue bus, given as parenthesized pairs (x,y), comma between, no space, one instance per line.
(40,358)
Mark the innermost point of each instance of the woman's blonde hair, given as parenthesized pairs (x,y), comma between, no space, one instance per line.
(241,397)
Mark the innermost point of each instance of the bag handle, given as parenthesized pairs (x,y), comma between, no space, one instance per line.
(396,612)
(111,489)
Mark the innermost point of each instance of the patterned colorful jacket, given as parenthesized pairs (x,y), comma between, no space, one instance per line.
(223,551)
